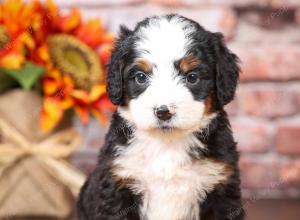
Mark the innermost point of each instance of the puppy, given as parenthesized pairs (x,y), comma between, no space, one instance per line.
(169,153)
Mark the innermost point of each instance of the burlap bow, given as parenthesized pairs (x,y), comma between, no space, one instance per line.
(50,152)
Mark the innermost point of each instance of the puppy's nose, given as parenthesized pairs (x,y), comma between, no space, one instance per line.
(163,113)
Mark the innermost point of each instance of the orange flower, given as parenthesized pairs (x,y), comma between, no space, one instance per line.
(94,101)
(57,89)
(20,21)
(18,17)
(91,33)
(14,52)
(13,60)
(69,22)
(48,24)
(26,26)
(51,114)
(41,55)
(60,93)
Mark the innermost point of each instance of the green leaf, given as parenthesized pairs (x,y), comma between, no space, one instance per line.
(26,76)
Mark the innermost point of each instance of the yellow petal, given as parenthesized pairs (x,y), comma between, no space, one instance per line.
(81,95)
(43,53)
(53,108)
(68,83)
(71,21)
(52,7)
(51,114)
(46,122)
(13,60)
(50,87)
(27,40)
(96,92)
(55,74)
(67,103)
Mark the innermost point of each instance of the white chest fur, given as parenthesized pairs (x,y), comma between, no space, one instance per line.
(171,183)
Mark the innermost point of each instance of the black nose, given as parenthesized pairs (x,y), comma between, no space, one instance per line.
(163,113)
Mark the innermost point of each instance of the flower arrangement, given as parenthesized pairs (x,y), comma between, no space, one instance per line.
(59,55)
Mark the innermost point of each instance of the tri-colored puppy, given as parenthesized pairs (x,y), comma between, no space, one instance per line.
(169,153)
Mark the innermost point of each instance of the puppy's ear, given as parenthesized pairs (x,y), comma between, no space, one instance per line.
(115,67)
(227,71)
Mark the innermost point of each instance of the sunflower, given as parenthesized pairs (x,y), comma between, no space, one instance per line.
(76,59)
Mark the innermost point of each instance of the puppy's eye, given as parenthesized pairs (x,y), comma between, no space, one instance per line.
(192,78)
(141,78)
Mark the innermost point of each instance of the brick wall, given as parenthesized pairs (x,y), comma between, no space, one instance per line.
(265,117)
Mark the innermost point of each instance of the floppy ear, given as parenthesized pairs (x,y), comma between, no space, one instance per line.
(227,71)
(115,67)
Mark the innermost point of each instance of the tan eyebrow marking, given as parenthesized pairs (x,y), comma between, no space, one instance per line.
(144,65)
(188,63)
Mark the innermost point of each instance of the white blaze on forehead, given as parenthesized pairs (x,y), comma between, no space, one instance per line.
(164,40)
